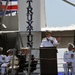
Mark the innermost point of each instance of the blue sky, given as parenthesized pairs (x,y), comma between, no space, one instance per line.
(59,13)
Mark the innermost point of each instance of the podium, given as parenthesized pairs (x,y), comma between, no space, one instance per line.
(48,61)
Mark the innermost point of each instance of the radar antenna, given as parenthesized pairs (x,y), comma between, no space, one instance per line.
(69,2)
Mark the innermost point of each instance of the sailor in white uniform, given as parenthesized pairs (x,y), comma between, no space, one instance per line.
(69,60)
(6,61)
(49,41)
(2,57)
(73,60)
(1,49)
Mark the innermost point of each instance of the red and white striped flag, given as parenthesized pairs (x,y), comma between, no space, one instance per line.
(12,6)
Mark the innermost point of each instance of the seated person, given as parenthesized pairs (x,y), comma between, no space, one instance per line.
(69,59)
(6,60)
(1,50)
(1,58)
(13,64)
(7,64)
(22,59)
(33,63)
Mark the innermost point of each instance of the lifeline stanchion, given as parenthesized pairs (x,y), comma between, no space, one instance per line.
(12,73)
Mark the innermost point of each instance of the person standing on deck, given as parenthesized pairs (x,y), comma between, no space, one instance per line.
(50,41)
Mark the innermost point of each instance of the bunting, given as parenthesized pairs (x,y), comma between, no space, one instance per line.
(12,6)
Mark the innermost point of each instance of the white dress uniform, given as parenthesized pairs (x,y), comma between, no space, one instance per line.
(68,58)
(49,42)
(5,64)
(1,61)
(73,62)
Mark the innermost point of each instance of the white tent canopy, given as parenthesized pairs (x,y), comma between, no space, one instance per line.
(63,28)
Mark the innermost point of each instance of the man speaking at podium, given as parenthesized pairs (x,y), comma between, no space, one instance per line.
(50,41)
(48,54)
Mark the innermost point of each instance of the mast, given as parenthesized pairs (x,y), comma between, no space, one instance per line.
(74,6)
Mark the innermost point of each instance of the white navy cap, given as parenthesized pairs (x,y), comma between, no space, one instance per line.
(9,50)
(25,48)
(1,49)
(70,45)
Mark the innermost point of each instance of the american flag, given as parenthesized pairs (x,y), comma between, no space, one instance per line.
(12,6)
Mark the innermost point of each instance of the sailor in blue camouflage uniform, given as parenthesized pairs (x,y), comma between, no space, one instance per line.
(69,60)
(49,41)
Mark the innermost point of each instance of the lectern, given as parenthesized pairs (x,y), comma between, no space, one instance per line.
(48,61)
